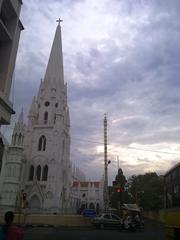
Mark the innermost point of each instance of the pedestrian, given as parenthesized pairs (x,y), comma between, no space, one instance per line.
(2,235)
(137,219)
(9,231)
(127,221)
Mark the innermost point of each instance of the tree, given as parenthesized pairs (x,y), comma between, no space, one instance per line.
(146,190)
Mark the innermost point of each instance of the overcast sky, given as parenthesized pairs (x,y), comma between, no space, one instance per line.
(121,58)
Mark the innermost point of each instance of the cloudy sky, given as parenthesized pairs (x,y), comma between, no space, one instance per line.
(121,58)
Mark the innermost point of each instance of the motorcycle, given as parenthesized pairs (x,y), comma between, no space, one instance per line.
(129,224)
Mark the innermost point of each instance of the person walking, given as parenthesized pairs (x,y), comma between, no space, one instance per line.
(9,231)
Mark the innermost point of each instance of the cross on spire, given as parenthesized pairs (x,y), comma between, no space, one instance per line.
(59,21)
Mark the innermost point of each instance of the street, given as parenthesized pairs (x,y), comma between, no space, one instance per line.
(152,231)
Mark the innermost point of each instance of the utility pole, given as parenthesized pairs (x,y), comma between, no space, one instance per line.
(106,198)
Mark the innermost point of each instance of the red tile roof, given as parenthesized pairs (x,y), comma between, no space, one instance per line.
(85,184)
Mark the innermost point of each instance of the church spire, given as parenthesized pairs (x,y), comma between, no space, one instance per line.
(32,110)
(18,132)
(21,119)
(54,69)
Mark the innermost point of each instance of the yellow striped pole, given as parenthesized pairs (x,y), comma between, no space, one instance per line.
(106,200)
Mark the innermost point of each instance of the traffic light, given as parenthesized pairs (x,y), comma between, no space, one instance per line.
(118,190)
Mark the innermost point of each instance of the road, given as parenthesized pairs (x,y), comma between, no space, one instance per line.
(152,231)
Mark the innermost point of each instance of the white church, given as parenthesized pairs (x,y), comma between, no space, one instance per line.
(36,172)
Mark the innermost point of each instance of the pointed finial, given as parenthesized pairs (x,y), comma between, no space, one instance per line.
(59,21)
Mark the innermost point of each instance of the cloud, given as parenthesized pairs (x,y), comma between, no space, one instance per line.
(120,57)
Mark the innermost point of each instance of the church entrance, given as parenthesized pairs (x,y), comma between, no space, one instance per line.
(34,204)
(97,208)
(91,206)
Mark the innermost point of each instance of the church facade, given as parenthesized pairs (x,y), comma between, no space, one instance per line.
(37,173)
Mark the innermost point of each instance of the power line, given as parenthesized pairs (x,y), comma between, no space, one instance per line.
(140,149)
(85,140)
(135,148)
(146,150)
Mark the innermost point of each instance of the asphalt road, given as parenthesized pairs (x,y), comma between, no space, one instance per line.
(152,231)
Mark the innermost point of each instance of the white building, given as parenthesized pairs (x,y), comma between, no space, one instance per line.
(37,172)
(10,29)
(38,159)
(89,194)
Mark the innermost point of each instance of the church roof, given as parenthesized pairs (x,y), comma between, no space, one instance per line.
(54,71)
(85,184)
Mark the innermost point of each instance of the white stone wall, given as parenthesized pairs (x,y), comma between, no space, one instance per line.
(11,180)
(90,194)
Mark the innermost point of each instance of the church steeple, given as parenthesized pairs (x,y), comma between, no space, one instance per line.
(49,108)
(18,133)
(32,112)
(21,119)
(54,71)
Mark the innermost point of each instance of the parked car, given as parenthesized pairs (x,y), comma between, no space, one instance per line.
(107,220)
(89,213)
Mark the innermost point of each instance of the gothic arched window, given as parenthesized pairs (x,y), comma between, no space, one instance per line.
(38,173)
(45,117)
(46,103)
(1,153)
(19,139)
(14,171)
(42,143)
(31,173)
(15,139)
(10,172)
(22,139)
(45,173)
(63,147)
